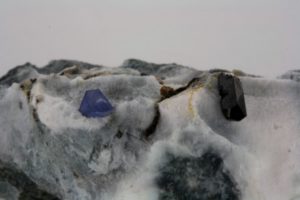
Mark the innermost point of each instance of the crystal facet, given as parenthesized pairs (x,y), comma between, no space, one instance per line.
(95,104)
(232,97)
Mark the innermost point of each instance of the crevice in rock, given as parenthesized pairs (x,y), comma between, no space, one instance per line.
(152,127)
(26,87)
(68,72)
(168,92)
(93,75)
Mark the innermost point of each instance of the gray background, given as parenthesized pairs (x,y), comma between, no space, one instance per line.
(257,36)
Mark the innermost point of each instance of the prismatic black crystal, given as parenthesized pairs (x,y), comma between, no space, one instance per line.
(232,97)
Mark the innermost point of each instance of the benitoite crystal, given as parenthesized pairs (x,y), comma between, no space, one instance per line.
(95,104)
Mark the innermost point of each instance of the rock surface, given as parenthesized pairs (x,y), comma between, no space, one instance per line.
(292,75)
(196,179)
(166,139)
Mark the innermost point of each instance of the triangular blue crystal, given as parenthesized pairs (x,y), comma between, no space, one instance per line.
(95,104)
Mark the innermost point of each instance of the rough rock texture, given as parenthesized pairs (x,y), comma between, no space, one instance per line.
(293,75)
(170,74)
(196,179)
(166,139)
(26,188)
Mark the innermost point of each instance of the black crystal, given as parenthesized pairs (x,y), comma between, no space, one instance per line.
(232,97)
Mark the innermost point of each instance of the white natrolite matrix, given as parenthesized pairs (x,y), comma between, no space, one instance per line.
(166,138)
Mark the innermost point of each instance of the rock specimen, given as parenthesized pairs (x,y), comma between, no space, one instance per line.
(167,137)
(232,97)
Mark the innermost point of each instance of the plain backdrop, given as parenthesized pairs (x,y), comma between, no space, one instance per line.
(256,36)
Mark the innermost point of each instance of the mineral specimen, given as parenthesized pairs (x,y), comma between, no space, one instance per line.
(167,137)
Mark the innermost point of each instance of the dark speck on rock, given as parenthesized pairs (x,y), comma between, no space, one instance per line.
(20,105)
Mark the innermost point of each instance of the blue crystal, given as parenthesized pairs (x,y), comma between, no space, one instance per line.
(95,104)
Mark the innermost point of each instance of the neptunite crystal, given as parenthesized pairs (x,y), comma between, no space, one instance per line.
(232,97)
(95,104)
